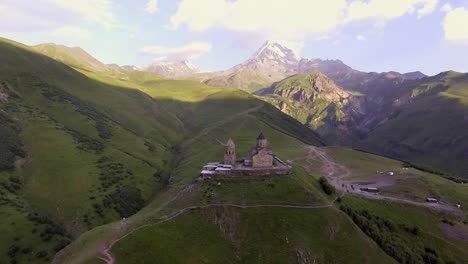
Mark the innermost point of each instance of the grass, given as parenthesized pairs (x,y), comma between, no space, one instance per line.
(71,119)
(427,221)
(430,130)
(362,164)
(241,235)
(417,187)
(101,145)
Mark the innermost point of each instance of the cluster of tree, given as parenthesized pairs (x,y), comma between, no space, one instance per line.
(85,142)
(112,172)
(326,186)
(52,233)
(391,239)
(126,200)
(13,185)
(55,94)
(10,143)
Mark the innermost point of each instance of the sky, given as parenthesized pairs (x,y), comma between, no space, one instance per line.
(369,35)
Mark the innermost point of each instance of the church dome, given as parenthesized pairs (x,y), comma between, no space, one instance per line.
(261,136)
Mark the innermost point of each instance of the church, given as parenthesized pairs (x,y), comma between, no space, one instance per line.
(260,162)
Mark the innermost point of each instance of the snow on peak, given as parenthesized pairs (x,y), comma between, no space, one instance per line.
(275,52)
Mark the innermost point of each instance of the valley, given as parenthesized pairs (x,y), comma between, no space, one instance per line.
(101,165)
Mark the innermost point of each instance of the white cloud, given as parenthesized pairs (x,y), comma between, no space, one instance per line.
(361,37)
(428,8)
(384,10)
(68,31)
(454,25)
(96,11)
(446,8)
(292,19)
(187,52)
(152,6)
(49,15)
(276,19)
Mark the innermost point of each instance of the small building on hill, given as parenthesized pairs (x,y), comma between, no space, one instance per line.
(261,162)
(262,154)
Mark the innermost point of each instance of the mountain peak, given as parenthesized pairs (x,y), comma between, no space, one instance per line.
(172,68)
(275,50)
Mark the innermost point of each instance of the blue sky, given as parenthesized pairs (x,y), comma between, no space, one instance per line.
(369,35)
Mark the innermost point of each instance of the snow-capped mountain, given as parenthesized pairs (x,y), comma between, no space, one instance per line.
(172,68)
(272,59)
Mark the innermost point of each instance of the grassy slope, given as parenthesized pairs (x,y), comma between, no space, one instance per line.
(183,121)
(58,110)
(252,236)
(432,130)
(78,129)
(418,188)
(430,235)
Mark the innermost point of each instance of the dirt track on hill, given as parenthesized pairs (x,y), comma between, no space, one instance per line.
(337,174)
(109,259)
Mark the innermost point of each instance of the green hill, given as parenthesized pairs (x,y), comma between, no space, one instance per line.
(73,56)
(419,120)
(80,151)
(432,130)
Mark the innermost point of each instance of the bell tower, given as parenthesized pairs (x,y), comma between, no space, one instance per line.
(230,152)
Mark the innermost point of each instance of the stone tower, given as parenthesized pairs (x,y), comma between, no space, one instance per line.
(261,141)
(230,152)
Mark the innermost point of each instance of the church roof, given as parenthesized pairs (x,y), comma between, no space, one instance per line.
(256,150)
(261,136)
(230,142)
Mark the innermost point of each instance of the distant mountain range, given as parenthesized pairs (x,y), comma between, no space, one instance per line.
(172,68)
(366,110)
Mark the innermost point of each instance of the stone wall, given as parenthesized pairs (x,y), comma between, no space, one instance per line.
(262,159)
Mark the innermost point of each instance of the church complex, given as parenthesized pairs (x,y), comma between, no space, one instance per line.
(261,162)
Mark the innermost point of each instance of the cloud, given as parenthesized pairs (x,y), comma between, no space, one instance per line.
(446,8)
(384,10)
(152,6)
(427,8)
(292,19)
(454,25)
(187,52)
(49,15)
(69,31)
(95,11)
(361,37)
(274,20)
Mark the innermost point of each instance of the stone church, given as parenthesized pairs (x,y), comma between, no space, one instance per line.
(261,162)
(261,156)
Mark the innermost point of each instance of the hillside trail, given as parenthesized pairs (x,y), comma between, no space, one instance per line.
(109,259)
(338,175)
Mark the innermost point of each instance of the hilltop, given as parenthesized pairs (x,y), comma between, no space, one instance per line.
(73,56)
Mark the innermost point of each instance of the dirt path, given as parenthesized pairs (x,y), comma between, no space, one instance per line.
(337,175)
